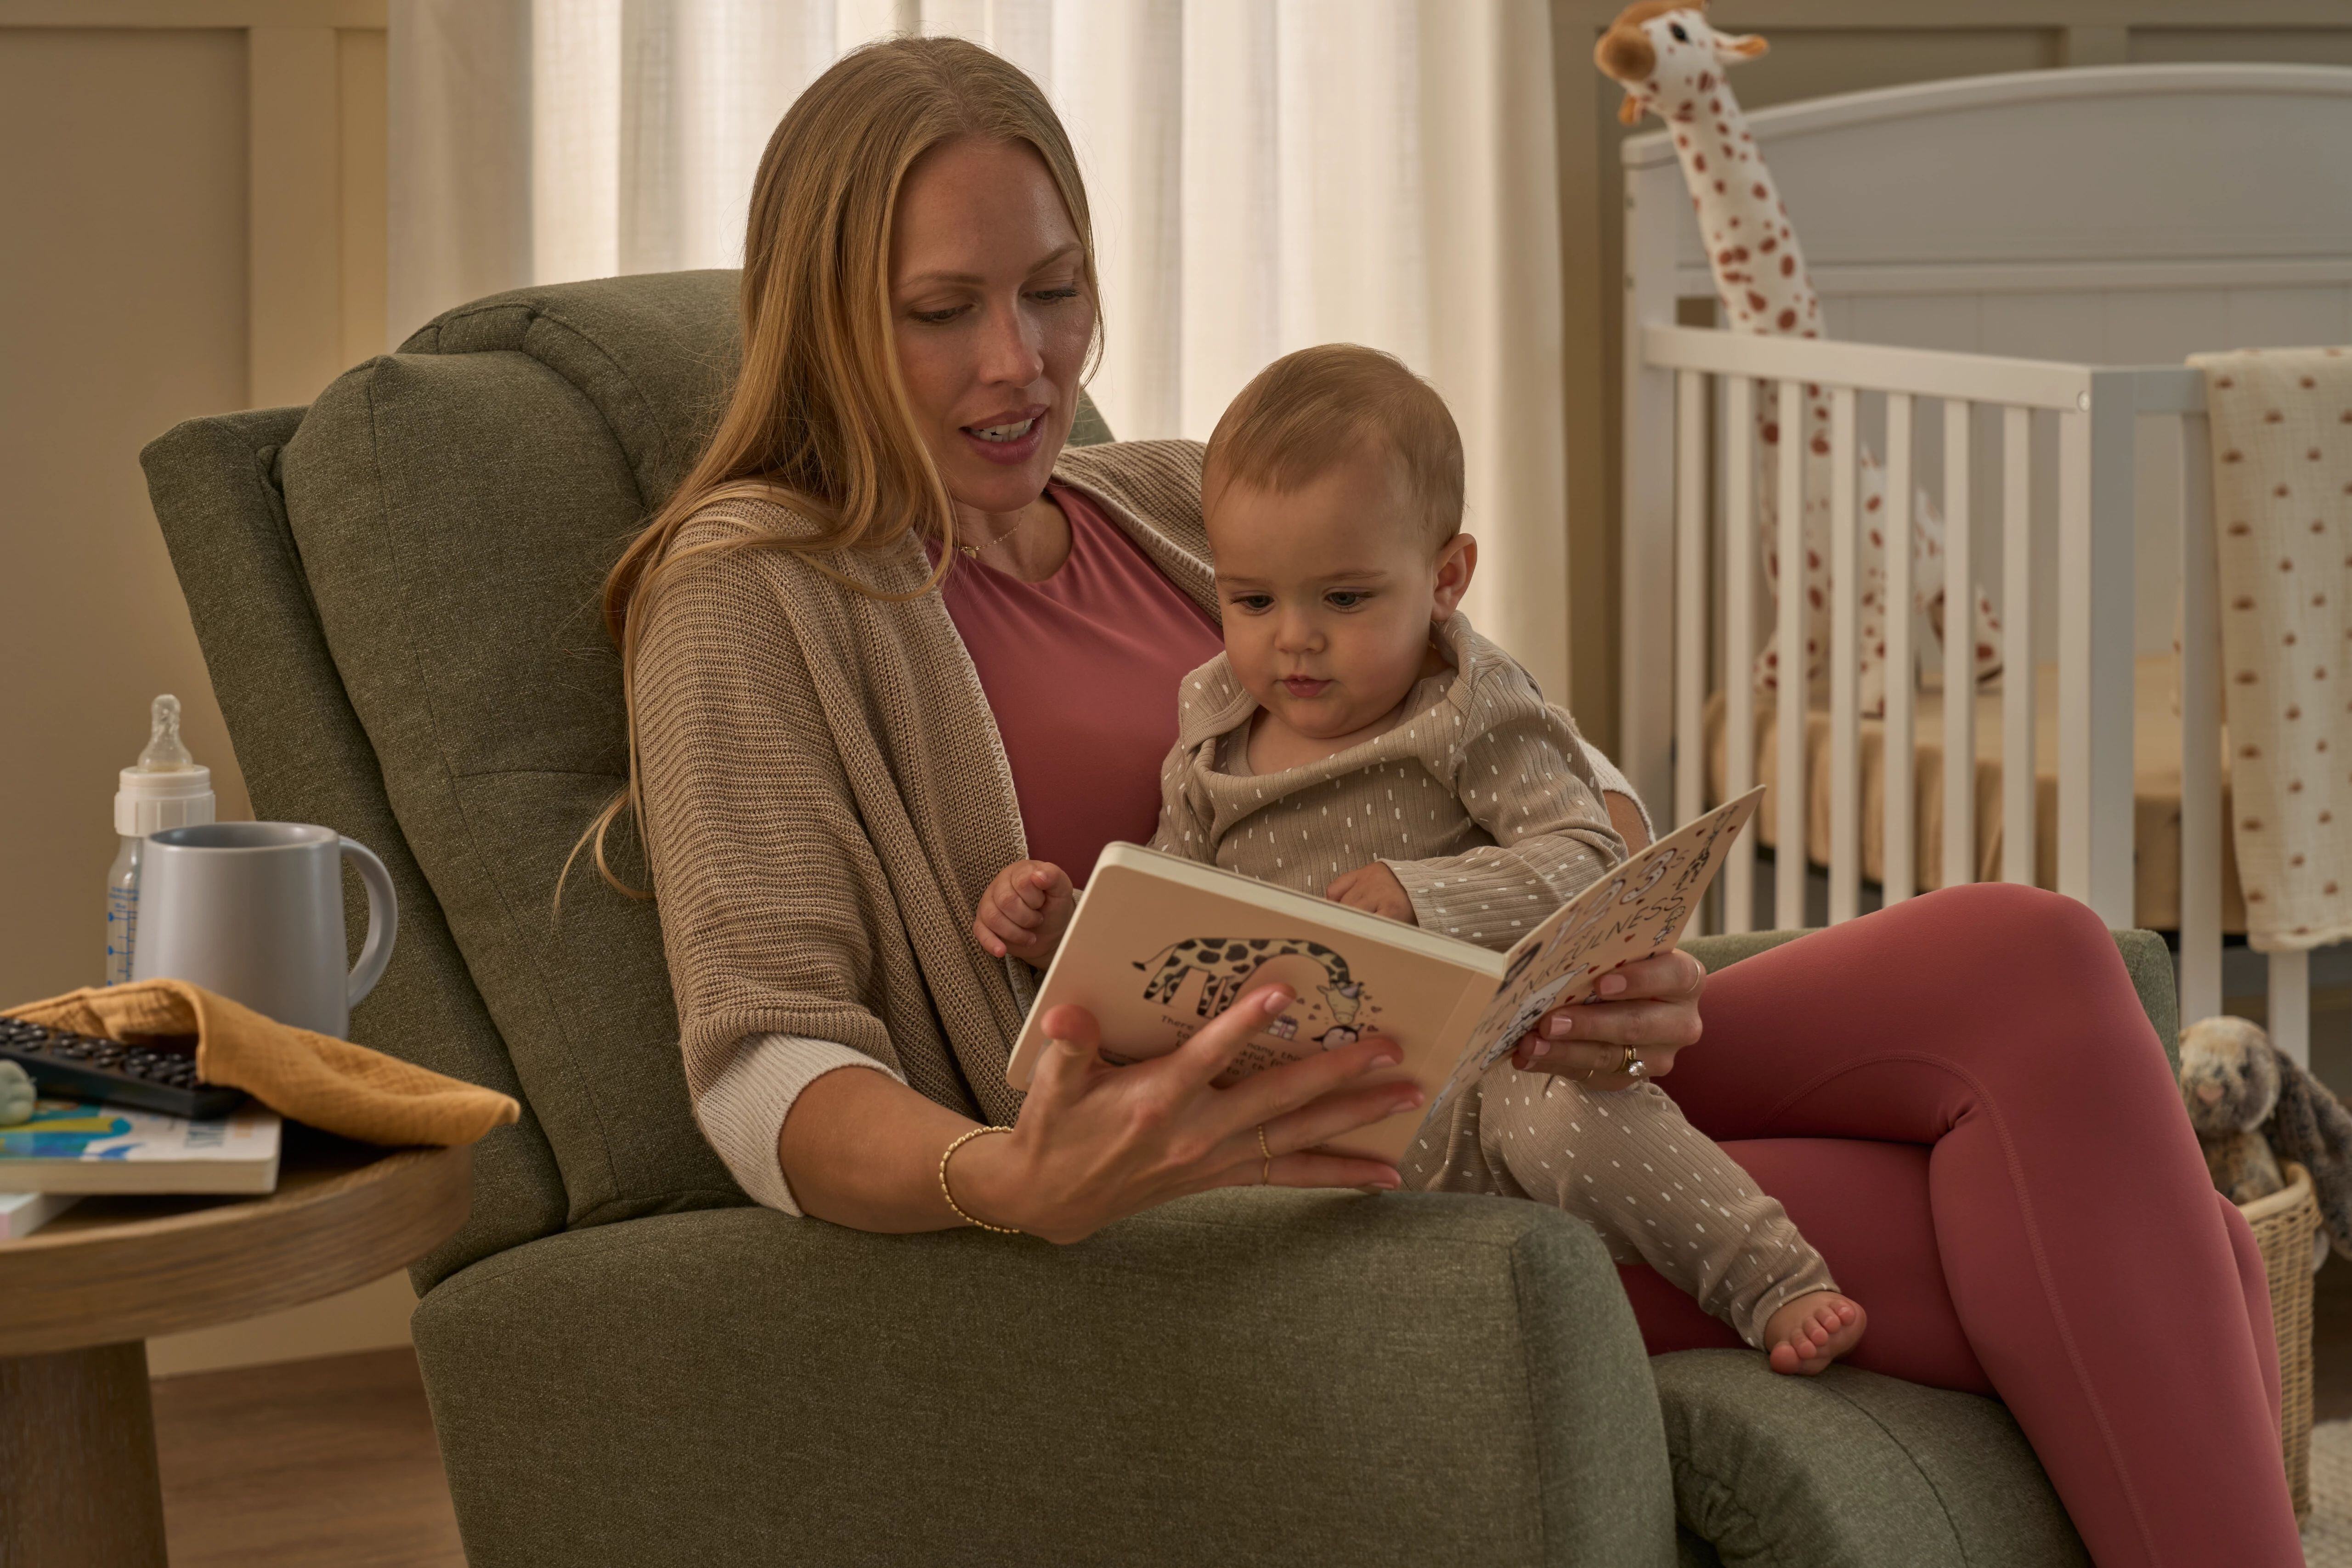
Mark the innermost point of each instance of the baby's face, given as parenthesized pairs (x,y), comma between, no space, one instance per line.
(1329,592)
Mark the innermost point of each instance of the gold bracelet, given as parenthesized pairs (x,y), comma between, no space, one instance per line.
(949,1154)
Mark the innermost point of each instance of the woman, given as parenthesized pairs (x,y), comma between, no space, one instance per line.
(836,746)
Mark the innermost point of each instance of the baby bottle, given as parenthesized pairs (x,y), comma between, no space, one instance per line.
(165,789)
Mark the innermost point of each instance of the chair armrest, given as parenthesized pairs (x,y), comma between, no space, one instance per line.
(1248,1376)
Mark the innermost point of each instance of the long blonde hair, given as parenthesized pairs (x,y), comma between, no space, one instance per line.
(818,416)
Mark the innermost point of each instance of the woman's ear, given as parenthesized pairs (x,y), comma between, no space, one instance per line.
(1457,561)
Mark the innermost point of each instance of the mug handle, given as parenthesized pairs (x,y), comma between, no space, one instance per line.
(383,919)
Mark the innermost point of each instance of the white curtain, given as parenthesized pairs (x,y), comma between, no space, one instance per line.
(1265,174)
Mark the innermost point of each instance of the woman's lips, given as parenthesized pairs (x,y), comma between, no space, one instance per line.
(1301,686)
(1010,453)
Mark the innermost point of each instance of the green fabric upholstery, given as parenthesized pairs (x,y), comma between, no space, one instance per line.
(396,593)
(1851,1470)
(1247,1377)
(305,758)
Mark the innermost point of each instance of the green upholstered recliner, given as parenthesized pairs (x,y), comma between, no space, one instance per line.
(396,590)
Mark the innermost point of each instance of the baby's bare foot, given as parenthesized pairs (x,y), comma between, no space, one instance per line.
(1805,1335)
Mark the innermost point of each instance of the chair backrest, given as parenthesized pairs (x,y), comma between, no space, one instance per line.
(396,592)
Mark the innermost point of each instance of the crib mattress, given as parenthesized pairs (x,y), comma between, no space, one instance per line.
(2156,788)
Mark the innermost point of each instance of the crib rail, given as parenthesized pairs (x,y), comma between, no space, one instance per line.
(1678,648)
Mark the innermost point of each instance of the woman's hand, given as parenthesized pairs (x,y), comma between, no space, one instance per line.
(1026,911)
(1651,1005)
(1096,1143)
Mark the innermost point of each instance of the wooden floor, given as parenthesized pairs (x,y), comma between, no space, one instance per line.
(331,1464)
(304,1465)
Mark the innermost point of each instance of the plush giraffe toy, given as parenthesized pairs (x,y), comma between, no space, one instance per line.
(1671,63)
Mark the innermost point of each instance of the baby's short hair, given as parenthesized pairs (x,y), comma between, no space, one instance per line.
(1308,411)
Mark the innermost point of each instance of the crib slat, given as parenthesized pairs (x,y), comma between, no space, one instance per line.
(1845,693)
(1896,872)
(1788,786)
(2290,1008)
(1739,640)
(2095,655)
(2017,673)
(1690,593)
(2200,726)
(1959,655)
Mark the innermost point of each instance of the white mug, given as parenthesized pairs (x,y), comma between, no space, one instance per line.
(253,910)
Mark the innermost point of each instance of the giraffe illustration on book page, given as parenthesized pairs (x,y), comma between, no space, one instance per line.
(1672,63)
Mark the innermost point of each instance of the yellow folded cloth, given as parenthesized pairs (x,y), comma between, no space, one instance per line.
(310,1078)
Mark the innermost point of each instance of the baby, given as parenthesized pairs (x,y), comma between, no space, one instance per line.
(1356,740)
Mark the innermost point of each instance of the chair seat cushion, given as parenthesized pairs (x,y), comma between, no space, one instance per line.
(1850,1470)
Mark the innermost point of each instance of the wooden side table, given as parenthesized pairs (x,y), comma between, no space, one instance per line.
(79,1298)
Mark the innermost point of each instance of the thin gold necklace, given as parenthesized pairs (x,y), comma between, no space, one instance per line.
(973,549)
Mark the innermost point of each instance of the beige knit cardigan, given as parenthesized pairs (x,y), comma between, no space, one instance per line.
(825,796)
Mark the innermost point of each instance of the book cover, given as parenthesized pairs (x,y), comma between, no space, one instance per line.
(1159,945)
(22,1214)
(74,1146)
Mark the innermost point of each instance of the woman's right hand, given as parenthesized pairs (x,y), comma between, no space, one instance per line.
(1096,1143)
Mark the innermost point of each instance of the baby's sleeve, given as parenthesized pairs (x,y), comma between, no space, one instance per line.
(1523,777)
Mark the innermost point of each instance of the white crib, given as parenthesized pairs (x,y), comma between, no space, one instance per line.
(2117,218)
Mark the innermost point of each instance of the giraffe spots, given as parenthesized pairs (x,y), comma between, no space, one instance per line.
(2294,711)
(2278,490)
(1680,140)
(2286,562)
(2245,678)
(2273,416)
(1698,162)
(1772,438)
(2307,384)
(1707,82)
(2313,454)
(2344,417)
(2233,455)
(1984,650)
(1718,191)
(2224,381)
(1821,447)
(1788,319)
(1757,301)
(2242,601)
(2238,530)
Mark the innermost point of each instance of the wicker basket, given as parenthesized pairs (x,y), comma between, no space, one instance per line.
(2284,1225)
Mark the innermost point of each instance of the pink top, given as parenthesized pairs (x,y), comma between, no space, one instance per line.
(1081,672)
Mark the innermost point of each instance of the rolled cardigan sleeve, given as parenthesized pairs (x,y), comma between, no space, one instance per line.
(741,1109)
(768,887)
(1523,777)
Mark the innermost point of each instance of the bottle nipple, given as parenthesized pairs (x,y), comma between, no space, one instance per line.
(165,753)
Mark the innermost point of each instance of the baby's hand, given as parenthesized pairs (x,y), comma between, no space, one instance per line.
(1024,911)
(1373,888)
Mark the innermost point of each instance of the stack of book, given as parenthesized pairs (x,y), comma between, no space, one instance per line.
(73,1147)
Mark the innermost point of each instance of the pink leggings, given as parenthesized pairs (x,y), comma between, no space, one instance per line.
(1961,1104)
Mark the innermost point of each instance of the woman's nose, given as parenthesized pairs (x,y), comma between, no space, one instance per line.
(1009,352)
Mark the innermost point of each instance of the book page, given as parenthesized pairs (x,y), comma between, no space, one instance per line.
(1637,911)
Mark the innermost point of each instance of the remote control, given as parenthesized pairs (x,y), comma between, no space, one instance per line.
(85,1066)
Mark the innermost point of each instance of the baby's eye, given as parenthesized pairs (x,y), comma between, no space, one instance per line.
(1345,598)
(1254,603)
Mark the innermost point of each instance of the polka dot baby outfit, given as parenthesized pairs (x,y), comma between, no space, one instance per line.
(1482,803)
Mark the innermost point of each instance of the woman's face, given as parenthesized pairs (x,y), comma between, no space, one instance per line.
(991,314)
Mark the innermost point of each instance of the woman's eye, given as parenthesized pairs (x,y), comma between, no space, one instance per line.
(936,318)
(1067,291)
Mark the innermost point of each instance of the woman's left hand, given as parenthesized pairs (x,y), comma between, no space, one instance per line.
(1651,1005)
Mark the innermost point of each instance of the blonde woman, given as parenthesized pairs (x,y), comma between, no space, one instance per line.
(890,637)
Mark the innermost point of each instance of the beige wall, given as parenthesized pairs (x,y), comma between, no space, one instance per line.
(193,201)
(1819,46)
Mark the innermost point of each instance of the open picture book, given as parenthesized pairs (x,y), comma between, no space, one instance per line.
(1159,945)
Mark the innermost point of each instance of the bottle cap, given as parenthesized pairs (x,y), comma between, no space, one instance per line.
(167,788)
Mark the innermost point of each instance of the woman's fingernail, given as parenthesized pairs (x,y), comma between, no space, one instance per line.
(1536,1053)
(1387,1060)
(1558,1025)
(1277,999)
(1407,1102)
(1611,985)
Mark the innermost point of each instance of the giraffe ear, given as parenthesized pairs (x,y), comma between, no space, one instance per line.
(1738,45)
(1629,110)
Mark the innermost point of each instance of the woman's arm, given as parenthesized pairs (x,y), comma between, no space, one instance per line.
(1094,1143)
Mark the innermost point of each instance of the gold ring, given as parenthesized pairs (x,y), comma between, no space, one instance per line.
(1632,1057)
(1266,1171)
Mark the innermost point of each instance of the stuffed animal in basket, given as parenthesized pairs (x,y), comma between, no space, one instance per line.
(2252,1106)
